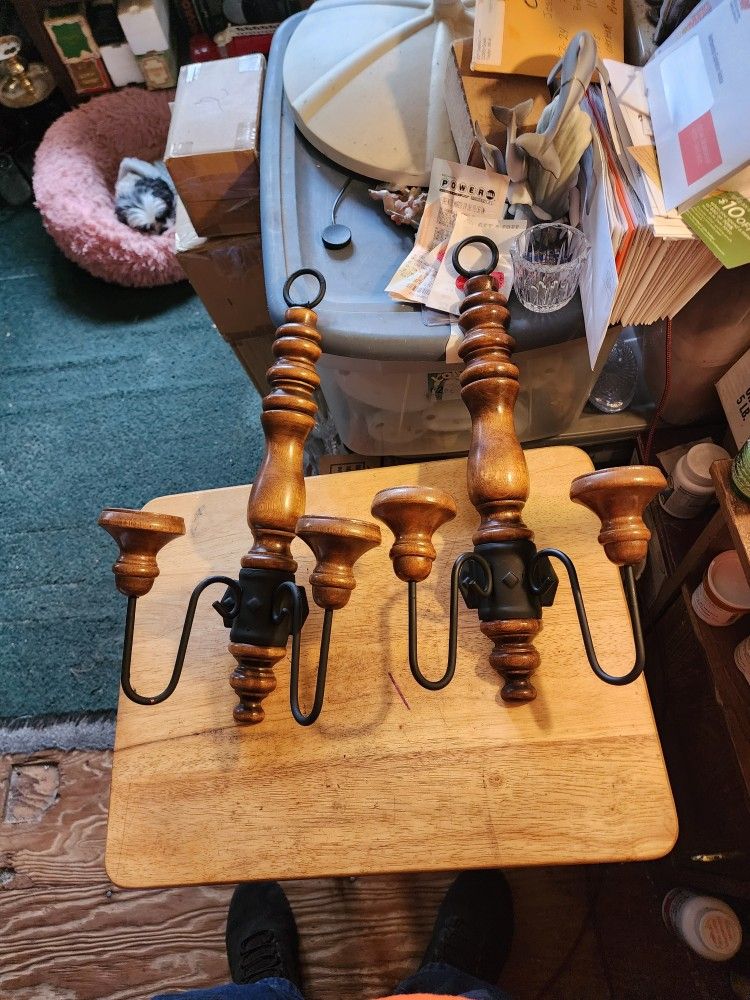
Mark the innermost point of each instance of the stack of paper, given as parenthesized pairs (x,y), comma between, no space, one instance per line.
(645,263)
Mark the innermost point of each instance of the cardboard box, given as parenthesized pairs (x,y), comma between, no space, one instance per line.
(69,30)
(74,42)
(89,76)
(212,147)
(227,274)
(469,97)
(121,64)
(145,24)
(117,55)
(734,392)
(159,69)
(528,37)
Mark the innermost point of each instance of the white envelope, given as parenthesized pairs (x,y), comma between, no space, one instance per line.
(599,274)
(698,93)
(628,86)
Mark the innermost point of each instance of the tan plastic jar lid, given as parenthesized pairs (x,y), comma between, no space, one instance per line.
(698,462)
(721,932)
(727,580)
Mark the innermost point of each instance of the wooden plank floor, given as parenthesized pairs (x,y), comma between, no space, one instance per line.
(68,934)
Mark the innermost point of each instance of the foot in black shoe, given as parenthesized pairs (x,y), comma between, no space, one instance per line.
(474,925)
(262,934)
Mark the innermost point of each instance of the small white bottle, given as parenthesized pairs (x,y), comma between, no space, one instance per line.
(707,925)
(691,488)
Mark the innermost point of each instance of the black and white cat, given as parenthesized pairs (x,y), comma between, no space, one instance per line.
(144,196)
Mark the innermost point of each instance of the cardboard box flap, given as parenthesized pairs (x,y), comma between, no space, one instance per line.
(470,94)
(217,107)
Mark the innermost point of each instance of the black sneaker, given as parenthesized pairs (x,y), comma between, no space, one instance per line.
(474,925)
(262,934)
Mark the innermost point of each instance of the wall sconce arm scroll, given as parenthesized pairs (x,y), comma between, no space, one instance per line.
(291,599)
(228,608)
(460,582)
(588,642)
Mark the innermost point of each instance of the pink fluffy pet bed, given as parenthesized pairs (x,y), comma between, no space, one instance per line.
(74,185)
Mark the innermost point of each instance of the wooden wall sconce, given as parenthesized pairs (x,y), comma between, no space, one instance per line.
(504,577)
(264,606)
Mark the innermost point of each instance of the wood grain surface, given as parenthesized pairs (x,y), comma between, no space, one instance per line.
(732,691)
(735,509)
(69,934)
(391,777)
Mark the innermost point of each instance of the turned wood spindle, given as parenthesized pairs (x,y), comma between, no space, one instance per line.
(413,513)
(140,535)
(277,498)
(497,475)
(337,543)
(618,497)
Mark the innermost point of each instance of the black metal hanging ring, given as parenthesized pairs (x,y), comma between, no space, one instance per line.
(484,241)
(298,274)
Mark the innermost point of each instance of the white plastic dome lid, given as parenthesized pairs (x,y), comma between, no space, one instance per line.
(365,82)
(699,460)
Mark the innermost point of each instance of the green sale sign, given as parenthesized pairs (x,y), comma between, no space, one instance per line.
(722,222)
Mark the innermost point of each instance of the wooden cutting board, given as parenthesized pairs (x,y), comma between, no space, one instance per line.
(392,777)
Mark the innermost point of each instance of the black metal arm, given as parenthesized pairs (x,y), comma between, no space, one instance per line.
(472,584)
(292,604)
(127,649)
(632,602)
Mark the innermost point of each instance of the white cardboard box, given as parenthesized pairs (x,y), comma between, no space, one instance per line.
(734,392)
(145,24)
(121,64)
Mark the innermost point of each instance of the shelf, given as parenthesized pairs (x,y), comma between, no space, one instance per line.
(594,428)
(710,790)
(690,548)
(30,14)
(736,511)
(731,689)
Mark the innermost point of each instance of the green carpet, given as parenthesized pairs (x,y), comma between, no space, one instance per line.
(109,396)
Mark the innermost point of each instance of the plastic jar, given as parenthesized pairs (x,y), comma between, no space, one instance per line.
(691,488)
(723,595)
(709,926)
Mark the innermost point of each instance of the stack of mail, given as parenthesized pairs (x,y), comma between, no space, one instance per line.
(698,96)
(645,263)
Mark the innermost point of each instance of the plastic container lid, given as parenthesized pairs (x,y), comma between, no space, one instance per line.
(721,932)
(727,578)
(700,459)
(365,82)
(357,319)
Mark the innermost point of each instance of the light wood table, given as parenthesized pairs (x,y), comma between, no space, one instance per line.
(392,777)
